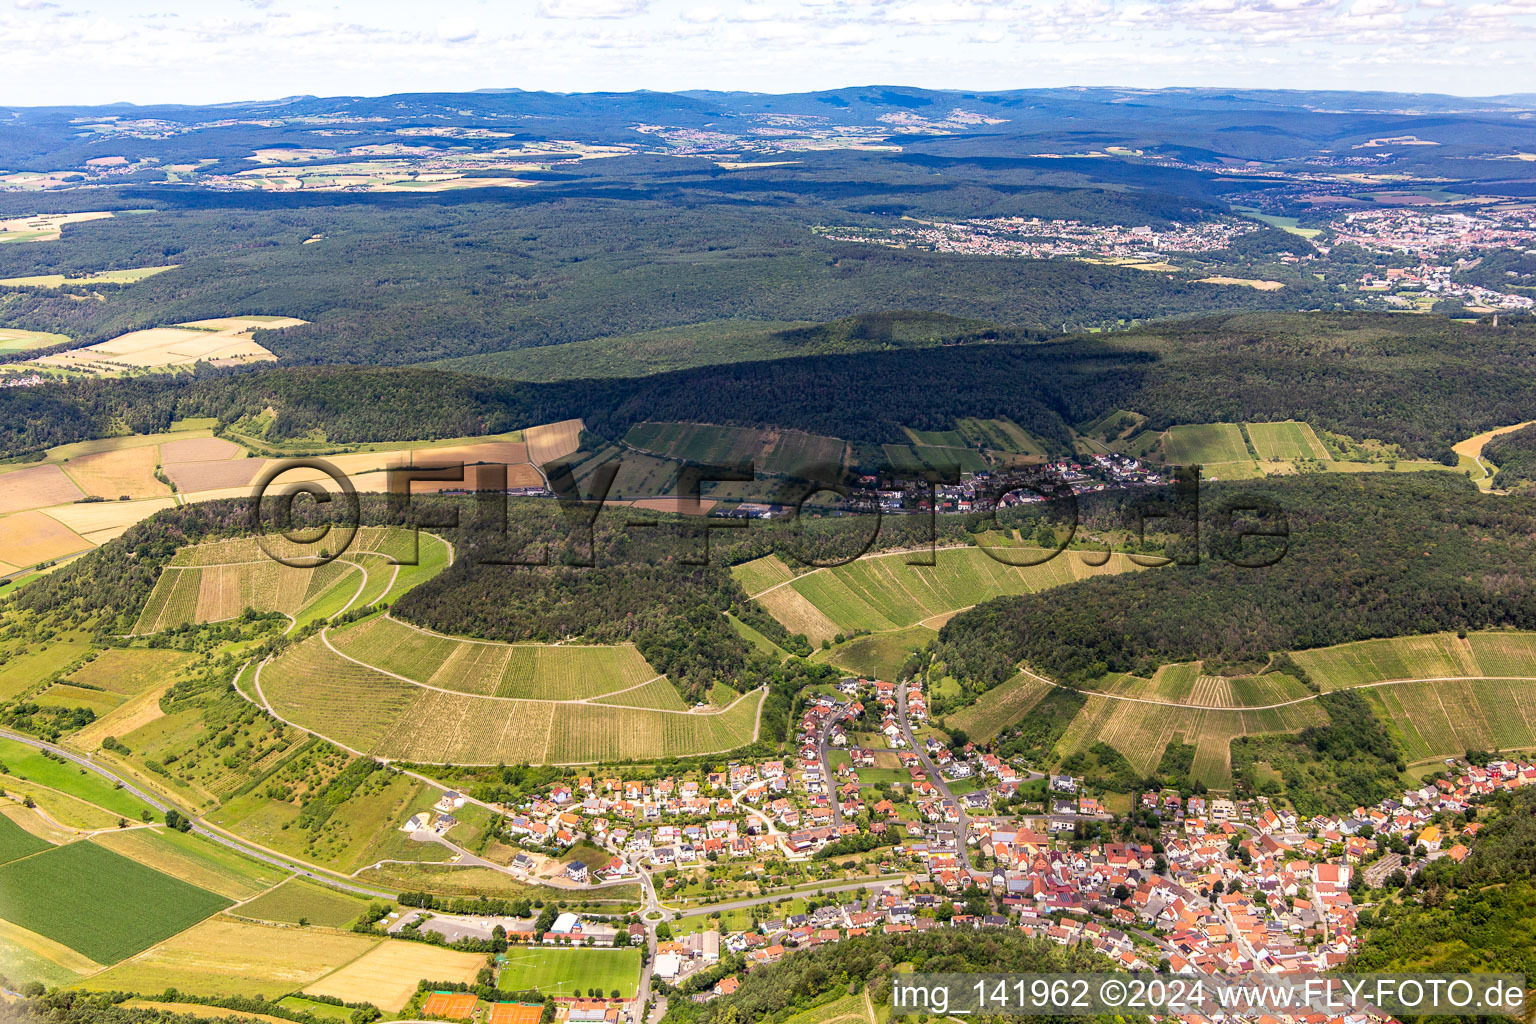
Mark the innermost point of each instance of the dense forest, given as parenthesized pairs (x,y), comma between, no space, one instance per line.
(1368,556)
(1420,383)
(811,978)
(1514,454)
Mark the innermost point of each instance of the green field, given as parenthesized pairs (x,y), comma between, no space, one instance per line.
(999,707)
(16,842)
(568,971)
(12,340)
(1430,656)
(911,459)
(98,903)
(195,860)
(879,655)
(1203,443)
(1447,718)
(28,763)
(298,899)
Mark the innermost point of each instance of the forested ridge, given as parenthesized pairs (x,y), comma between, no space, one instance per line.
(1420,383)
(1374,555)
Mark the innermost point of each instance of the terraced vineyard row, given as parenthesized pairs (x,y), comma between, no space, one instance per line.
(536,671)
(884,592)
(362,708)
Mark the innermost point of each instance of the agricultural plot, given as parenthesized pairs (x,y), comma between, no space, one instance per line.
(388,974)
(30,666)
(113,474)
(883,592)
(913,459)
(128,671)
(30,537)
(195,861)
(35,487)
(1188,444)
(383,716)
(1431,656)
(103,277)
(1000,707)
(759,574)
(1506,654)
(44,227)
(223,956)
(12,340)
(1286,441)
(28,956)
(532,671)
(99,903)
(101,521)
(658,694)
(1141,731)
(999,435)
(759,642)
(29,764)
(1448,717)
(798,615)
(879,655)
(222,342)
(300,900)
(16,842)
(552,441)
(559,972)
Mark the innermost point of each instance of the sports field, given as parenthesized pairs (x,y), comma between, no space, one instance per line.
(1188,444)
(559,972)
(99,903)
(379,714)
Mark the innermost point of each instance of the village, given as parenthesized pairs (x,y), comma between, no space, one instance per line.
(876,825)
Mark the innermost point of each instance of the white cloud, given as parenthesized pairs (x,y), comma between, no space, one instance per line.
(457,30)
(701,15)
(593,8)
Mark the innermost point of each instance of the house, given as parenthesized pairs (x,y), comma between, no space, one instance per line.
(576,871)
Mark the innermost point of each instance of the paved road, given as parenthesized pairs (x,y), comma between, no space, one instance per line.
(216,835)
(825,748)
(962,827)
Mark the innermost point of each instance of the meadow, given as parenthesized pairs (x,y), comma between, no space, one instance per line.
(99,903)
(300,900)
(568,971)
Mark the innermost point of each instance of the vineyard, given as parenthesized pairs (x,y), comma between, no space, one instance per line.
(219,580)
(885,592)
(530,671)
(378,714)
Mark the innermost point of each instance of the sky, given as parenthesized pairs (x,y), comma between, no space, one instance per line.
(205,51)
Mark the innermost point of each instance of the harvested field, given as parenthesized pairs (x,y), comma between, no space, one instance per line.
(798,615)
(387,975)
(552,441)
(35,487)
(223,342)
(199,449)
(43,227)
(111,475)
(12,340)
(94,517)
(191,477)
(223,956)
(27,538)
